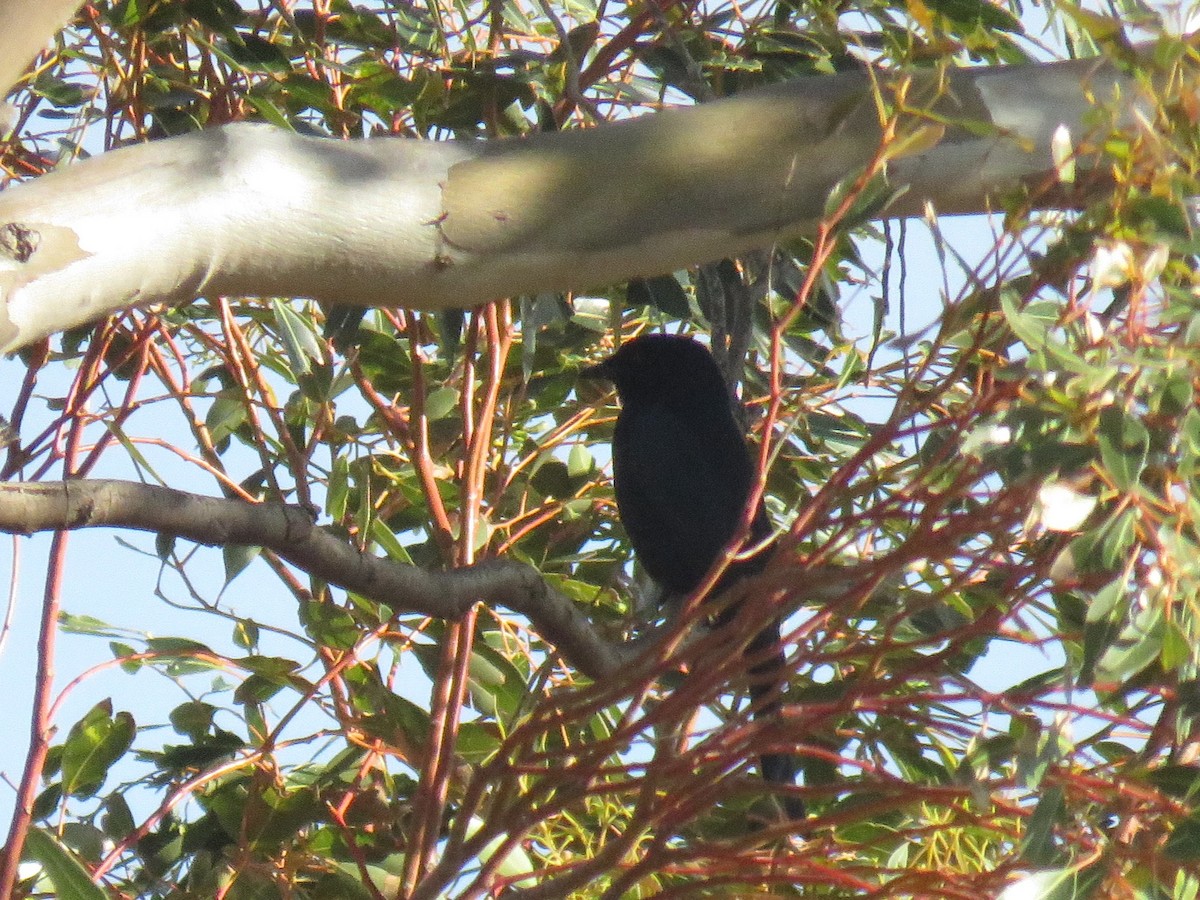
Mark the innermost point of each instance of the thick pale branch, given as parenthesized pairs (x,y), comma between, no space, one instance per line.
(28,28)
(250,210)
(289,532)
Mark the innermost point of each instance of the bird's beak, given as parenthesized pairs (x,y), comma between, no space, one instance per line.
(598,372)
(596,382)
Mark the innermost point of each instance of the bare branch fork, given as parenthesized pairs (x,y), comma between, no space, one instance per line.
(290,533)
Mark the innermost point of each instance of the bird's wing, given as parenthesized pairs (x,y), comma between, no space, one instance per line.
(682,482)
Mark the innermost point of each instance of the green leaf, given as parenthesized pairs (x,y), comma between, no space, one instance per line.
(1105,548)
(118,818)
(385,93)
(245,633)
(179,645)
(1176,649)
(1184,842)
(1051,884)
(299,336)
(226,415)
(1038,847)
(497,687)
(268,109)
(1117,540)
(478,741)
(203,752)
(393,718)
(94,743)
(1138,645)
(304,90)
(236,558)
(1104,604)
(872,198)
(552,478)
(72,623)
(516,862)
(85,840)
(60,93)
(1186,886)
(663,292)
(451,323)
(277,668)
(386,539)
(70,879)
(121,651)
(1101,28)
(1180,780)
(49,801)
(257,54)
(1030,322)
(164,545)
(579,461)
(1124,445)
(440,403)
(978,13)
(1113,751)
(337,497)
(330,624)
(256,689)
(193,718)
(220,15)
(593,313)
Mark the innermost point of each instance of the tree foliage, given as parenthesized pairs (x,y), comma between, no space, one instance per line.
(1015,483)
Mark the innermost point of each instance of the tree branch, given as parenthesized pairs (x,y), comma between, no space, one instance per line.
(253,210)
(290,532)
(28,28)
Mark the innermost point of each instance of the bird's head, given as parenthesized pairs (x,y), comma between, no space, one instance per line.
(658,367)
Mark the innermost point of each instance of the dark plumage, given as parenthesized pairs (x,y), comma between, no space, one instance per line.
(683,476)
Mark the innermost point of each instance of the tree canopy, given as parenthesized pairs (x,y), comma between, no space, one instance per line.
(987,528)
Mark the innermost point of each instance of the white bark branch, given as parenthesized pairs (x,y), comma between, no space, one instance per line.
(28,27)
(289,532)
(249,210)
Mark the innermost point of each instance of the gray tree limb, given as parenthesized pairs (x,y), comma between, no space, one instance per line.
(289,532)
(252,210)
(28,27)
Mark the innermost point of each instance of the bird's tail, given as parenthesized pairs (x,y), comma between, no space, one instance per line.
(766,679)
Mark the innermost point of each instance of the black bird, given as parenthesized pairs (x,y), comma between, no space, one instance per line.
(683,475)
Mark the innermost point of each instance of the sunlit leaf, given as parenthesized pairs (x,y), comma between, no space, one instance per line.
(70,879)
(93,745)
